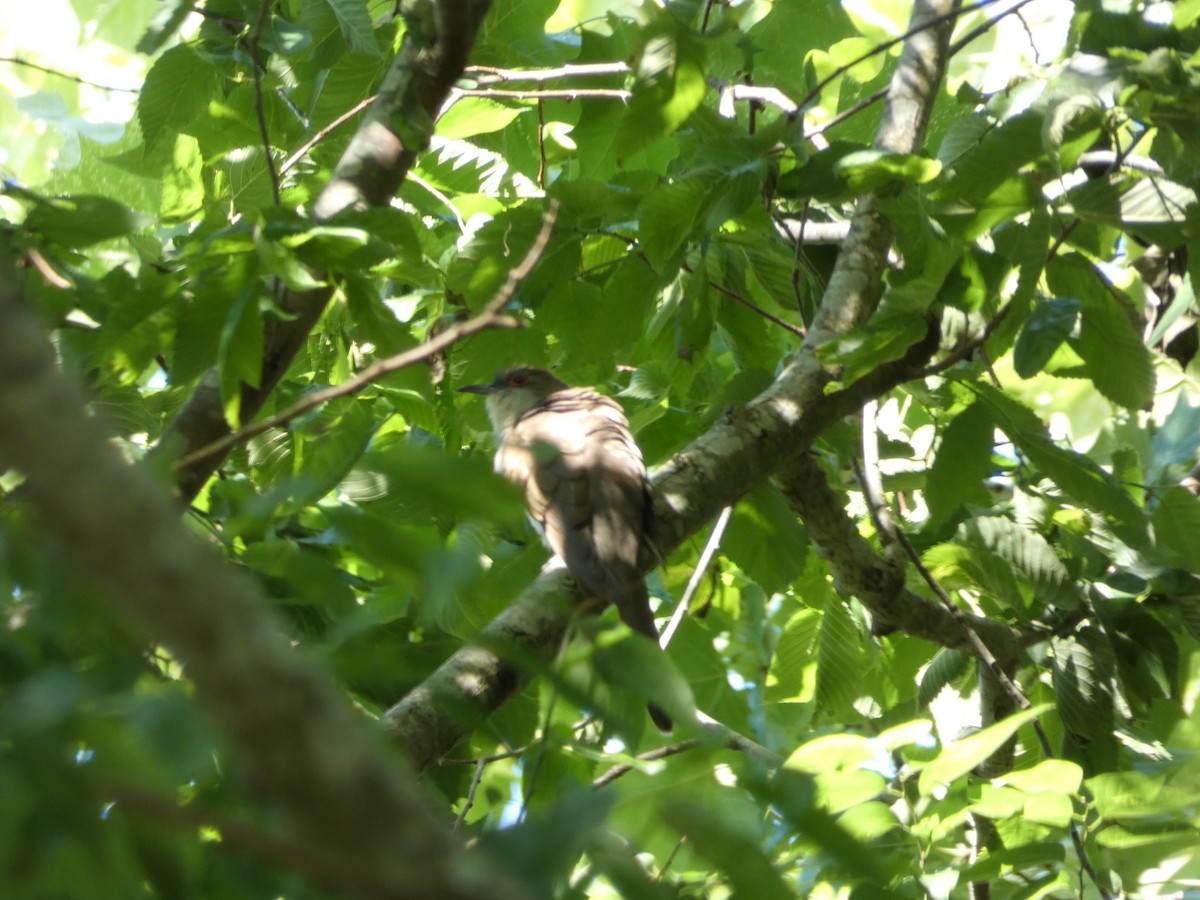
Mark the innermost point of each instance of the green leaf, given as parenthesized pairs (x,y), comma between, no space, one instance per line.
(470,116)
(1025,551)
(875,170)
(1176,523)
(1083,672)
(79,221)
(765,539)
(728,848)
(669,85)
(1075,474)
(696,315)
(240,353)
(887,336)
(355,23)
(177,91)
(962,464)
(840,662)
(1056,776)
(788,679)
(668,218)
(1050,323)
(1115,358)
(960,757)
(946,667)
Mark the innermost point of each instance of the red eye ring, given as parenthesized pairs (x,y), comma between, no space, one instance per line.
(517,380)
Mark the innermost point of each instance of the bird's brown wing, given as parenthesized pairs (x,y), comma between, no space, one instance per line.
(589,494)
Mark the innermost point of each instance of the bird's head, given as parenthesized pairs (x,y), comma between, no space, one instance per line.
(514,392)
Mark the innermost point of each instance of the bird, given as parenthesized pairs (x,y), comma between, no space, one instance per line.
(572,452)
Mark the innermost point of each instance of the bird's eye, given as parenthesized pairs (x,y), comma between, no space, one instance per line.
(516,380)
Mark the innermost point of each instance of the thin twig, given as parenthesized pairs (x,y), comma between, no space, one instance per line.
(714,541)
(488,317)
(750,304)
(480,765)
(18,61)
(547,93)
(493,75)
(899,39)
(649,756)
(323,133)
(257,65)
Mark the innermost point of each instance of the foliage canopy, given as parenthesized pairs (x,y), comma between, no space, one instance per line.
(948,636)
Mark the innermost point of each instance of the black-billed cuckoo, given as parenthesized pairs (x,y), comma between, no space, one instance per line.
(585,485)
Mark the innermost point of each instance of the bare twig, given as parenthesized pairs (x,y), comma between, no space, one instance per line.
(546,93)
(480,765)
(18,61)
(714,541)
(260,113)
(488,317)
(323,133)
(649,756)
(750,304)
(493,75)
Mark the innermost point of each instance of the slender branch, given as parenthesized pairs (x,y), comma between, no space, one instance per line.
(750,305)
(493,75)
(480,765)
(710,549)
(649,756)
(488,317)
(547,93)
(18,61)
(259,111)
(302,151)
(926,25)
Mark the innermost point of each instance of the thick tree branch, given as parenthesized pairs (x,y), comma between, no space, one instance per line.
(303,747)
(397,127)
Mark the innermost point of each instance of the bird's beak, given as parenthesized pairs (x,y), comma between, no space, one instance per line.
(477,389)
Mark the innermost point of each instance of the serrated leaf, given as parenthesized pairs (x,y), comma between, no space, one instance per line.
(1075,474)
(1176,524)
(355,23)
(963,462)
(959,566)
(1050,323)
(794,654)
(668,217)
(839,662)
(1083,671)
(1115,358)
(960,757)
(1025,551)
(946,667)
(177,90)
(765,539)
